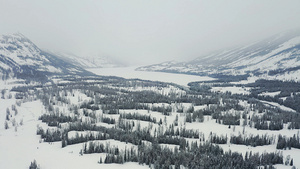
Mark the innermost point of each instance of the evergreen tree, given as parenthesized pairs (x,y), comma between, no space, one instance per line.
(33,165)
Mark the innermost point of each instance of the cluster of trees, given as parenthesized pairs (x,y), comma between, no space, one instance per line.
(198,116)
(82,138)
(273,117)
(183,132)
(171,140)
(51,135)
(135,137)
(196,156)
(284,142)
(126,124)
(251,140)
(10,118)
(137,116)
(218,139)
(108,120)
(55,119)
(93,147)
(89,105)
(294,125)
(287,89)
(165,110)
(263,125)
(228,118)
(110,158)
(270,118)
(293,102)
(111,111)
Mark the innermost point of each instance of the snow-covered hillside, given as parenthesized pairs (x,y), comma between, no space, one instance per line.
(89,61)
(277,57)
(19,57)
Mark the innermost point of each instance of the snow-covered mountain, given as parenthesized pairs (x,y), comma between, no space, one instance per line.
(19,57)
(277,57)
(89,61)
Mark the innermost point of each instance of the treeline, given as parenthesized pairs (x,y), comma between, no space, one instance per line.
(165,110)
(272,118)
(183,132)
(93,147)
(272,125)
(227,119)
(287,89)
(135,137)
(207,156)
(136,116)
(218,139)
(89,105)
(82,138)
(291,142)
(251,140)
(50,135)
(108,120)
(56,118)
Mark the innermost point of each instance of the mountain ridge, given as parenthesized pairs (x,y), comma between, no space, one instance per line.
(21,58)
(90,61)
(275,57)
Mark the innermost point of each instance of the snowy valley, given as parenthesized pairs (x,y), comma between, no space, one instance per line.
(77,118)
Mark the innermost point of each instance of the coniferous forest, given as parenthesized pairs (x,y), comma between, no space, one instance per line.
(157,122)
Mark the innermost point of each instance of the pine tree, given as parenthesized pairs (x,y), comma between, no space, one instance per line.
(33,165)
(6,125)
(100,160)
(176,121)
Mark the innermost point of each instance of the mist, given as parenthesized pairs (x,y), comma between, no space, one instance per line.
(145,32)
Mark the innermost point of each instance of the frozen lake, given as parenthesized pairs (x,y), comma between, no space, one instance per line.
(130,73)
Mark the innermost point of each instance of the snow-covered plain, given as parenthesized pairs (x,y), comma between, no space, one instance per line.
(131,73)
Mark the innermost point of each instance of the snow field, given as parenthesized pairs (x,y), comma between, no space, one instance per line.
(233,90)
(130,73)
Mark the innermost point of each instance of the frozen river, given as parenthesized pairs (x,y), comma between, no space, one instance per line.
(130,73)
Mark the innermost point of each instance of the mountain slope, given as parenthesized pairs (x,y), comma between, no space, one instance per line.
(21,58)
(90,61)
(274,57)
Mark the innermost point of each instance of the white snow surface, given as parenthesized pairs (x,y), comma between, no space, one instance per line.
(233,90)
(278,105)
(271,94)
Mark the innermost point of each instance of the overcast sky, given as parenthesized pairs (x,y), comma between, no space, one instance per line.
(146,31)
